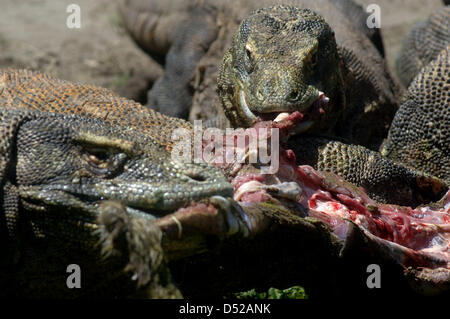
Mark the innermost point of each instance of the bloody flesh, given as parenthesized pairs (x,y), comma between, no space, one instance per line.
(419,236)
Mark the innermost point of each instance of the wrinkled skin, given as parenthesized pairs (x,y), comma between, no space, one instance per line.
(61,172)
(284,59)
(363,92)
(337,80)
(106,163)
(61,206)
(247,92)
(384,180)
(419,136)
(263,74)
(422,44)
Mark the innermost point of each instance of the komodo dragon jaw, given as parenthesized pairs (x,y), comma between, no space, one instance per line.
(282,60)
(62,160)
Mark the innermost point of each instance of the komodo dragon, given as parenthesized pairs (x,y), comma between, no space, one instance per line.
(420,133)
(76,165)
(61,151)
(422,44)
(348,68)
(263,66)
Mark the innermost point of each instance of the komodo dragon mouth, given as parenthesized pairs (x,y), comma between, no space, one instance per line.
(310,110)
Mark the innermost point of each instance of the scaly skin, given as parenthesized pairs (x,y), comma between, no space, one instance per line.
(355,63)
(281,57)
(419,136)
(36,91)
(69,180)
(255,79)
(362,94)
(275,65)
(383,179)
(422,44)
(167,30)
(65,165)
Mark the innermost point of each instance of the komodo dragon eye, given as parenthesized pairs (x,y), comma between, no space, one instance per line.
(248,54)
(248,63)
(103,161)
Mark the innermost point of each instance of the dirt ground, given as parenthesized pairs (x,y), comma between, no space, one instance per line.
(34,35)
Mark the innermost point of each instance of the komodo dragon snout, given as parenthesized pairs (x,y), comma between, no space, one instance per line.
(280,61)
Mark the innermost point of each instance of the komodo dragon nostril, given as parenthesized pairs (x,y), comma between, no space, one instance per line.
(259,95)
(196,177)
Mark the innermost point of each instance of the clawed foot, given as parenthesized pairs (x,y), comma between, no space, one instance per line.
(140,238)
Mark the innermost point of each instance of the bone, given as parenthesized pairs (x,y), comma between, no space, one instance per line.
(281,117)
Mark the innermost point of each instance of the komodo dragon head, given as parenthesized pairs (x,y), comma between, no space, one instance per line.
(282,59)
(61,164)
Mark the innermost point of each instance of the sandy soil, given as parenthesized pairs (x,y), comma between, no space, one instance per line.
(397,18)
(33,34)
